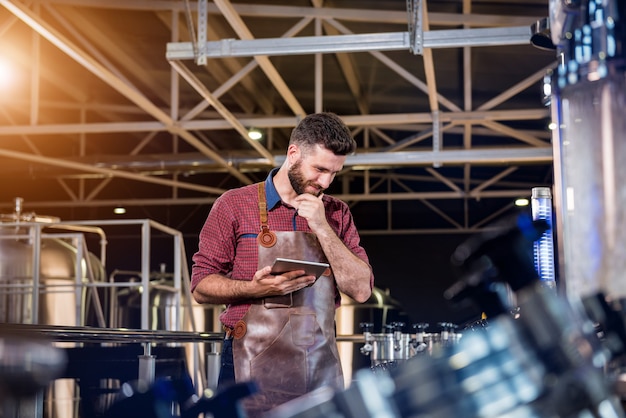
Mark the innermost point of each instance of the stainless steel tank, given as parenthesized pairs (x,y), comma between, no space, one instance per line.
(40,277)
(166,310)
(162,307)
(43,269)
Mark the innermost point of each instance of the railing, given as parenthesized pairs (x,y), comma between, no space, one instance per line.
(55,333)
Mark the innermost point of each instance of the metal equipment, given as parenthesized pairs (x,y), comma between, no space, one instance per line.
(49,277)
(168,389)
(42,274)
(588,100)
(393,346)
(380,309)
(28,363)
(548,360)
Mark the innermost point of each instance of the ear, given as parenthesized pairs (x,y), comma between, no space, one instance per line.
(293,153)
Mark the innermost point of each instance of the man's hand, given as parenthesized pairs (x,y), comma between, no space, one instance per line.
(311,208)
(267,284)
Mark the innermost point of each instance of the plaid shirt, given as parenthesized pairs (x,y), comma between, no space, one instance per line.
(228,244)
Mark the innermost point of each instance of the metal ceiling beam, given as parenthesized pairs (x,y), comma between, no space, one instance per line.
(475,155)
(349,70)
(418,137)
(199,163)
(390,41)
(93,40)
(514,133)
(493,180)
(519,87)
(57,39)
(399,69)
(107,172)
(423,26)
(185,201)
(235,21)
(381,120)
(468,129)
(346,14)
(193,81)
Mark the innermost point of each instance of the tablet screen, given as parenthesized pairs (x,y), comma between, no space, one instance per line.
(283,265)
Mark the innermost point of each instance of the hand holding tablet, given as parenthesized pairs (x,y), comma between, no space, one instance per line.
(312,268)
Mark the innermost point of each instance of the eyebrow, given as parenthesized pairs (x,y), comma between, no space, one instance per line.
(321,168)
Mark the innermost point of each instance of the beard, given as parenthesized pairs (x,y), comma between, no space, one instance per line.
(298,182)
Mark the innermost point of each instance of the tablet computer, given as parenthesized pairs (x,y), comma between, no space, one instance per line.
(312,268)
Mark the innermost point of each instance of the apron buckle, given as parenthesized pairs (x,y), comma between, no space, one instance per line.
(240,329)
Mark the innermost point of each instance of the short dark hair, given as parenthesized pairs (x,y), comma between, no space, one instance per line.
(325,129)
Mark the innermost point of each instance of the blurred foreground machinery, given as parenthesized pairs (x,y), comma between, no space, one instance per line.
(550,359)
(27,365)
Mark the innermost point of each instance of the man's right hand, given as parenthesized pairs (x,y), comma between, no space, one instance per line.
(267,284)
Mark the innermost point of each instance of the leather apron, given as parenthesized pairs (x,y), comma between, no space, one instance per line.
(288,345)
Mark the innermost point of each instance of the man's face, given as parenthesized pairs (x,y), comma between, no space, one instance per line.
(314,171)
(297,180)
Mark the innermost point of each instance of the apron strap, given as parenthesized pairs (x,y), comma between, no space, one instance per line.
(266,237)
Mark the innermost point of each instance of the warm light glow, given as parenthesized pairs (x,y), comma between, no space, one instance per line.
(522,202)
(119,211)
(7,75)
(255,134)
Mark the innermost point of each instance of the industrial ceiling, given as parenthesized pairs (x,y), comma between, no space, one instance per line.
(146,103)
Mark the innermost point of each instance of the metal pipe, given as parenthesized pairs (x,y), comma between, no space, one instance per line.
(127,336)
(145,274)
(110,335)
(147,366)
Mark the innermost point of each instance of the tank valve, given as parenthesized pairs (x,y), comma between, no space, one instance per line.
(367,328)
(419,342)
(397,334)
(19,201)
(448,334)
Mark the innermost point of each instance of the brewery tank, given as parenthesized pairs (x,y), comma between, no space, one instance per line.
(163,305)
(40,279)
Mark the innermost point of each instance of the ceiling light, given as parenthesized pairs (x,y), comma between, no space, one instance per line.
(119,210)
(255,134)
(522,201)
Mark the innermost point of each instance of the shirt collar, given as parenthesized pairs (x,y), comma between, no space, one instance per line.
(271,194)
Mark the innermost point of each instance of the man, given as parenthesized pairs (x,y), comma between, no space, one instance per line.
(280,328)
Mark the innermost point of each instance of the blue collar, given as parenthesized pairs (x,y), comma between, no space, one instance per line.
(271,195)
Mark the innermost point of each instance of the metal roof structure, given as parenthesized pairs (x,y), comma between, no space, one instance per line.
(147,104)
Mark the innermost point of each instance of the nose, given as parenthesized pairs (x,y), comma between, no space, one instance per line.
(324,180)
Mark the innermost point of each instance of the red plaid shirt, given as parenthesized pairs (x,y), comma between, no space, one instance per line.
(228,244)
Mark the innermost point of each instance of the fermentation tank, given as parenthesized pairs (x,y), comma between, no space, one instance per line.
(166,311)
(45,268)
(42,274)
(162,305)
